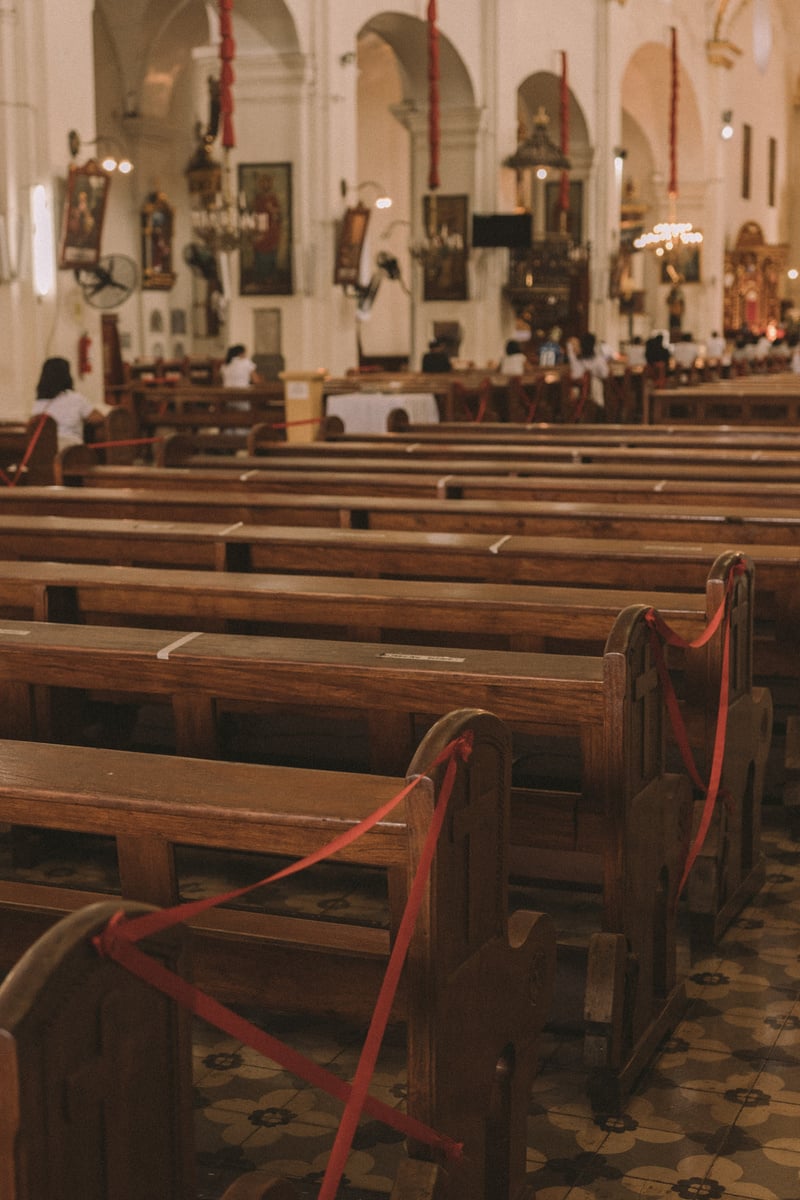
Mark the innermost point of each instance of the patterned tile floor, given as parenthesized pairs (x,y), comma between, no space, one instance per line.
(717,1116)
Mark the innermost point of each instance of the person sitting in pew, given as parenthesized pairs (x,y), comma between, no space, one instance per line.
(238,370)
(71,411)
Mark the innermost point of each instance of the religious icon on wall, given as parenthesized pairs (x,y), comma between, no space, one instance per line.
(157,223)
(265,258)
(82,219)
(444,249)
(350,246)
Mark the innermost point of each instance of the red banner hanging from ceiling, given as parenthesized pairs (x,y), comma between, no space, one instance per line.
(433,98)
(227,51)
(673,116)
(563,199)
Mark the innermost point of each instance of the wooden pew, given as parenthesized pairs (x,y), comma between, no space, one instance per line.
(509,617)
(617,824)
(192,408)
(391,478)
(23,460)
(464,458)
(748,401)
(96,1074)
(764,526)
(474,976)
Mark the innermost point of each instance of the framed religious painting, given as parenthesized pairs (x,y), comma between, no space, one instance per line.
(156,226)
(83,214)
(350,245)
(265,256)
(444,251)
(684,262)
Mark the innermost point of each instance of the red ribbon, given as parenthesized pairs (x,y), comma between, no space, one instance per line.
(433,98)
(659,630)
(118,941)
(563,200)
(29,449)
(227,52)
(484,392)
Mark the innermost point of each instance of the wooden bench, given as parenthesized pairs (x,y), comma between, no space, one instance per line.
(750,401)
(459,482)
(599,831)
(23,461)
(194,408)
(96,1074)
(510,617)
(773,526)
(474,976)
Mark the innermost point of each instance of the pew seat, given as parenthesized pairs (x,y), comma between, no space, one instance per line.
(474,976)
(111,1115)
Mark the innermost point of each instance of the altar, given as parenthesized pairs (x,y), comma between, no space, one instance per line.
(368,412)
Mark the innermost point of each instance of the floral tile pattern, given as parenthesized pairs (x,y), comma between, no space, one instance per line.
(716,1117)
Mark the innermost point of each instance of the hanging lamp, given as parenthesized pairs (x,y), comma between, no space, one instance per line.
(666,235)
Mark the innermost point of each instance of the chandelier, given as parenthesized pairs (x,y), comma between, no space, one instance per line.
(439,241)
(665,236)
(221,217)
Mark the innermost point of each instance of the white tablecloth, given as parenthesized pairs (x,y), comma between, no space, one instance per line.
(367,412)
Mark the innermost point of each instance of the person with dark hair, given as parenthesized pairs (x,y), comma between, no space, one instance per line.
(586,359)
(238,370)
(514,360)
(56,396)
(436,360)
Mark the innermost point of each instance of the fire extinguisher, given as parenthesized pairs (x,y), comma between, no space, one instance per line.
(84,355)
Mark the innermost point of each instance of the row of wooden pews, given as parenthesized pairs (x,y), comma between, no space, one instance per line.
(229,692)
(482,616)
(464,941)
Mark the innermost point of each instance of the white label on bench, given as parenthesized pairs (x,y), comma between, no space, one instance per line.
(166,650)
(297,391)
(493,549)
(16,632)
(424,657)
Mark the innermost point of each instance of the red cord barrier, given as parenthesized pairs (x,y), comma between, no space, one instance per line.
(484,392)
(128,442)
(288,424)
(660,631)
(118,941)
(583,396)
(29,449)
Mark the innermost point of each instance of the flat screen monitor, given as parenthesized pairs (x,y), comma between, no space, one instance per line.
(502,229)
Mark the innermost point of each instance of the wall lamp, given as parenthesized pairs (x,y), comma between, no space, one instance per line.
(113,159)
(384,200)
(726,132)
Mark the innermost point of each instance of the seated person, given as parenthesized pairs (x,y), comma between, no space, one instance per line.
(56,397)
(635,353)
(513,362)
(436,360)
(238,370)
(685,352)
(586,359)
(655,351)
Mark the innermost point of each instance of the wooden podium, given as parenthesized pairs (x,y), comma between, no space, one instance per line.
(302,394)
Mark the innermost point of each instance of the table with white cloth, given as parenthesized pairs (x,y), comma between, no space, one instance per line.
(368,412)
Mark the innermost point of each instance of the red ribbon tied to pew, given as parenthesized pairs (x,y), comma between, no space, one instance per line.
(29,449)
(118,941)
(660,631)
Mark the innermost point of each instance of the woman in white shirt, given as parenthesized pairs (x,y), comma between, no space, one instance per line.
(238,370)
(514,361)
(55,396)
(585,359)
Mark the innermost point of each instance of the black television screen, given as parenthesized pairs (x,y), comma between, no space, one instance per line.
(501,229)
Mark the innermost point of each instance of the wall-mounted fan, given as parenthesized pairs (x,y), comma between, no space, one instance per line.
(108,282)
